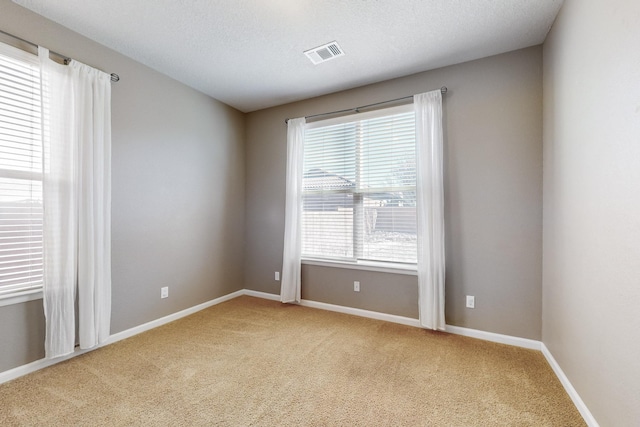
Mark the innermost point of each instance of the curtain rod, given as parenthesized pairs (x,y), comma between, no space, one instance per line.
(443,90)
(114,76)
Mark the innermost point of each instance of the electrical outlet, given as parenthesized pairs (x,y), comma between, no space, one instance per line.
(164,292)
(277,276)
(356,286)
(471,301)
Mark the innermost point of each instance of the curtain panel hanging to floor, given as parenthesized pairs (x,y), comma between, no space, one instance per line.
(291,257)
(77,204)
(430,209)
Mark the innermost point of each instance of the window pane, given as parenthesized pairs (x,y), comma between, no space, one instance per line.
(388,180)
(327,230)
(20,235)
(330,157)
(391,232)
(388,152)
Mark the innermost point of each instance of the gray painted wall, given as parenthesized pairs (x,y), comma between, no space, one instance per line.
(21,334)
(178,192)
(493,196)
(592,204)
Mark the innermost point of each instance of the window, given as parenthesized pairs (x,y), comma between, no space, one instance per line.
(359,188)
(21,212)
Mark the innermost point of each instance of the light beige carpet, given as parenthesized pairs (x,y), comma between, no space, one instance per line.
(252,362)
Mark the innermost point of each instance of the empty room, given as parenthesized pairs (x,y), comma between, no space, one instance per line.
(322,213)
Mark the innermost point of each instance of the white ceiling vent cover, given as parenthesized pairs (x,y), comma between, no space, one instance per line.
(324,53)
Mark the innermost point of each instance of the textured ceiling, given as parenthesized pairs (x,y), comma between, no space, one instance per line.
(249,53)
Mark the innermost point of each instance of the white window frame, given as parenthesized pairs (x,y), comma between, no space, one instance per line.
(359,264)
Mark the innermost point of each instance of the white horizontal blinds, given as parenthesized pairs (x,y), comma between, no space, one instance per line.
(388,187)
(359,188)
(20,172)
(328,184)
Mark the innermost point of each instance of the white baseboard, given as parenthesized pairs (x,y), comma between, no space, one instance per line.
(43,363)
(573,394)
(20,371)
(263,295)
(362,313)
(473,333)
(408,321)
(340,309)
(487,336)
(170,318)
(493,337)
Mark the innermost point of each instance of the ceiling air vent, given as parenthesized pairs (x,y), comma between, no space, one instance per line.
(324,53)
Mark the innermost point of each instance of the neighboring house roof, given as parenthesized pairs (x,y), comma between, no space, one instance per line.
(318,179)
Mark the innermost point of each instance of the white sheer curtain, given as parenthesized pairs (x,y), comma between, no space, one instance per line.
(430,209)
(77,204)
(290,287)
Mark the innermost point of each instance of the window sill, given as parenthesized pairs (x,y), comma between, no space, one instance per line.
(409,270)
(21,297)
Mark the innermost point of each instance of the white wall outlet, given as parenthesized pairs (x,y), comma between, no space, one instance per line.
(277,276)
(471,301)
(356,286)
(164,292)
